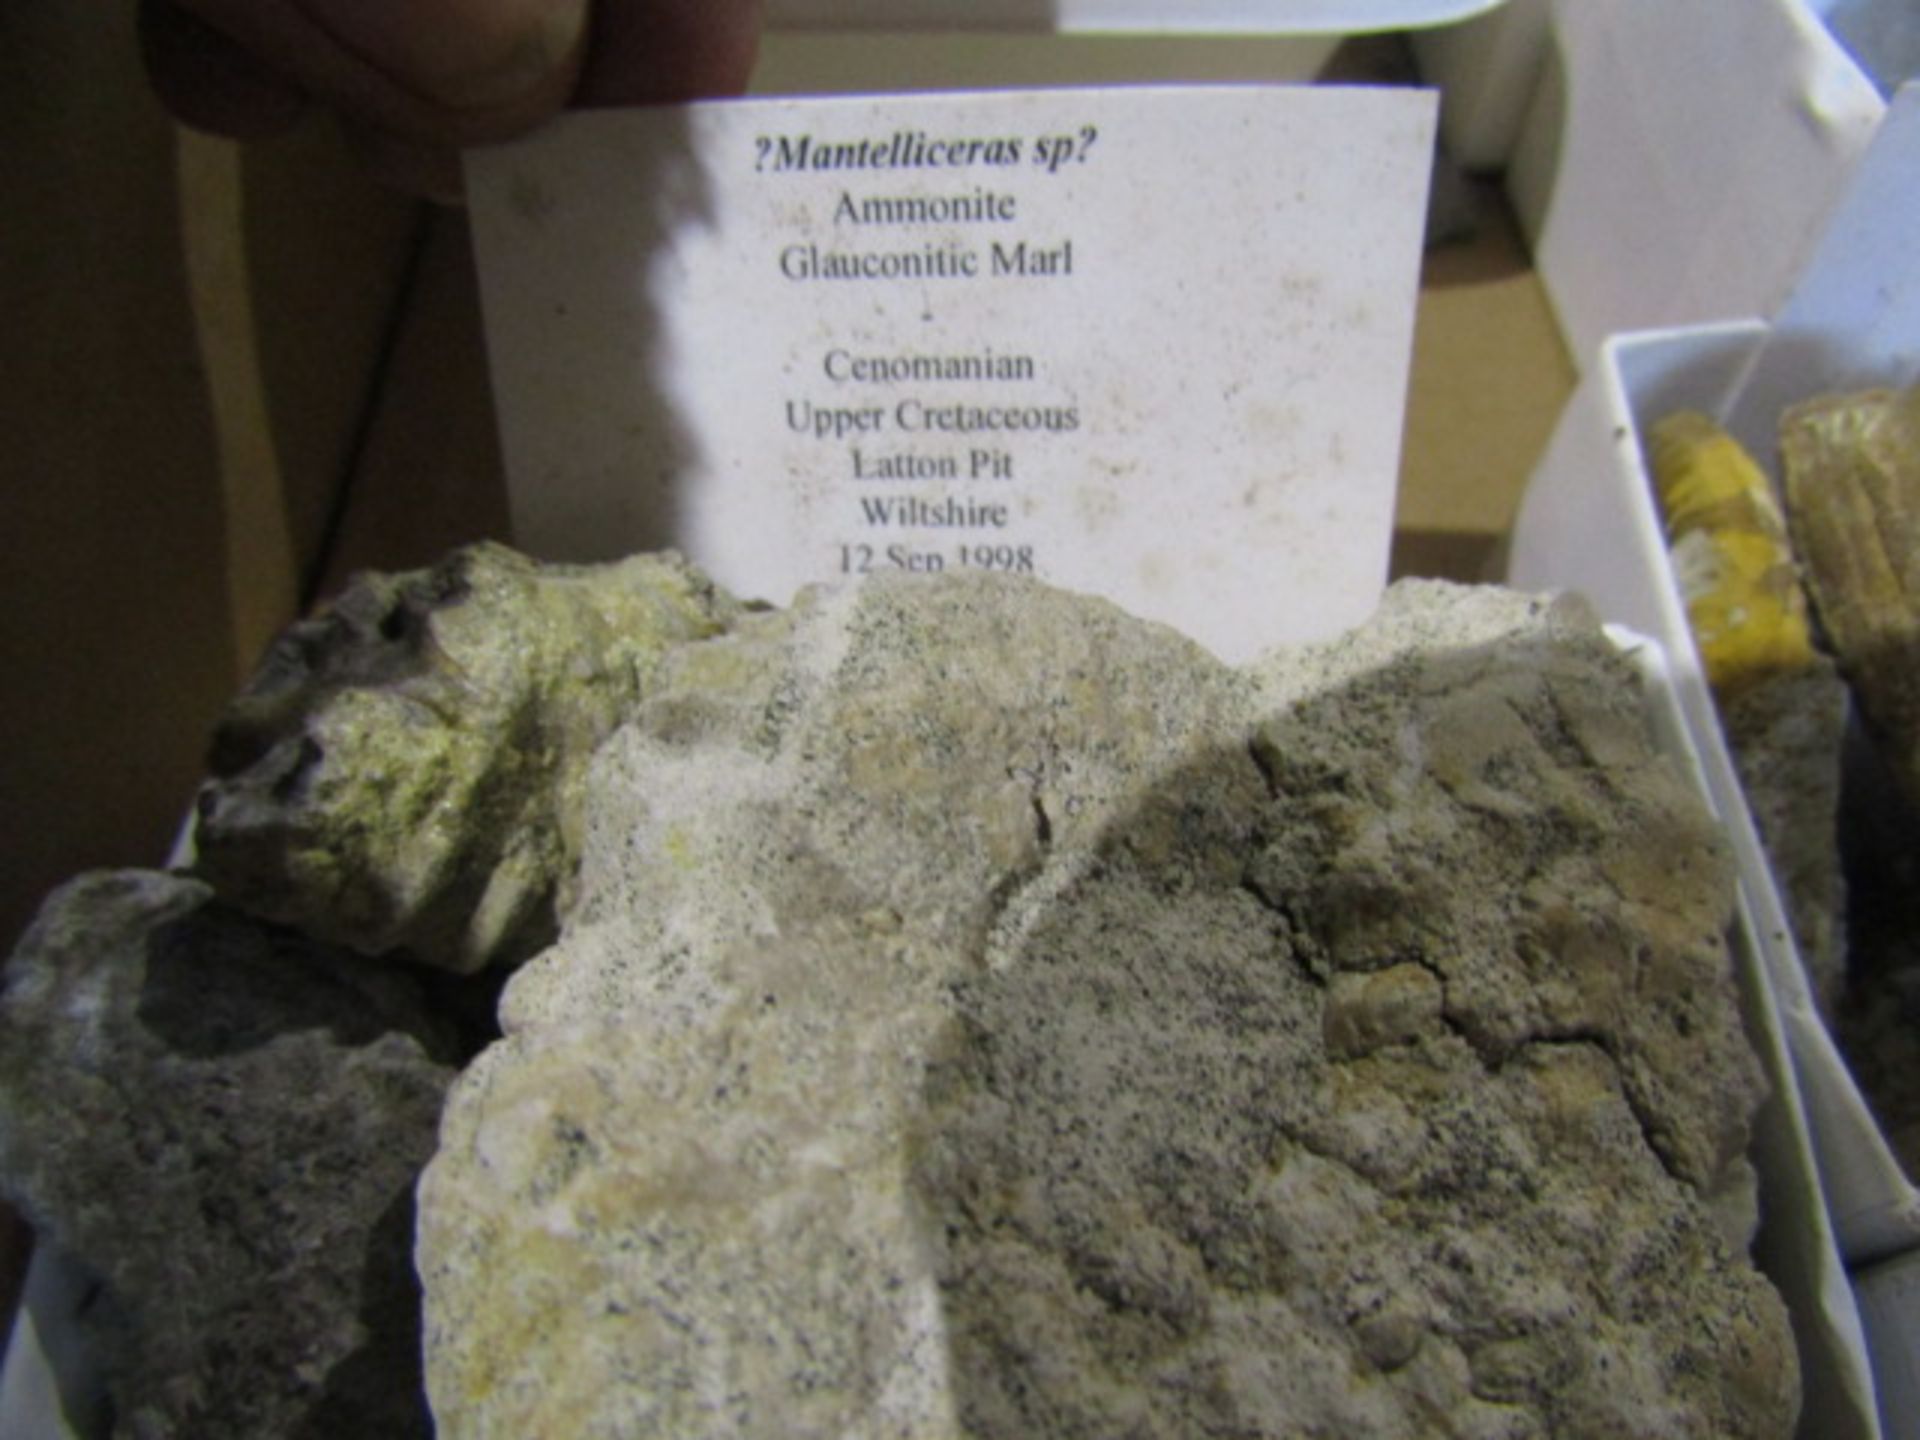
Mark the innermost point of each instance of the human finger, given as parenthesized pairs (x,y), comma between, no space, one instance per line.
(210,82)
(652,51)
(437,72)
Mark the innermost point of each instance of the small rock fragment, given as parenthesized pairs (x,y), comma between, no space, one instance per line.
(403,772)
(223,1122)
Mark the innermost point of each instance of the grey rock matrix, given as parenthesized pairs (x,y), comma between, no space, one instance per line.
(979,1013)
(223,1122)
(400,772)
(973,1012)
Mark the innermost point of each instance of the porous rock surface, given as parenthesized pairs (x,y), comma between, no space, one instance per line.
(985,1014)
(223,1123)
(399,774)
(1787,734)
(1851,472)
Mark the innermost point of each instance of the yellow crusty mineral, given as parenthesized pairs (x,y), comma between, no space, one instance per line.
(1730,554)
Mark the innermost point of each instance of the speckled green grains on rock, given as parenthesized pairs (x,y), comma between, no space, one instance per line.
(947,1007)
(402,772)
(986,1015)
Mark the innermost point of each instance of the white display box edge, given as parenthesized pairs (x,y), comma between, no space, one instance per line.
(1127,17)
(1588,523)
(1676,165)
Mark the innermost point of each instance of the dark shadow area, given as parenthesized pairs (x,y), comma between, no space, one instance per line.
(278,1132)
(16,1253)
(1883,36)
(1537,161)
(1498,252)
(1458,555)
(218,983)
(1878,1024)
(380,1389)
(1454,203)
(377,1391)
(76,1322)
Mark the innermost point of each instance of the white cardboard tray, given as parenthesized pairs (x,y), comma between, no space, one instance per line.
(1672,164)
(1588,522)
(1797,1246)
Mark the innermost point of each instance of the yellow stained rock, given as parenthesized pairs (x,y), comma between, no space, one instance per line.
(1730,554)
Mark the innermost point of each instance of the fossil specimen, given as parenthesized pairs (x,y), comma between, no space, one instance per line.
(400,772)
(973,1012)
(1852,467)
(986,1015)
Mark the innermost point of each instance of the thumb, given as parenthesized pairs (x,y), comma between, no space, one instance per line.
(446,72)
(462,56)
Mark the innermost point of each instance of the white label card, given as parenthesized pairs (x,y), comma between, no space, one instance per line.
(1150,344)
